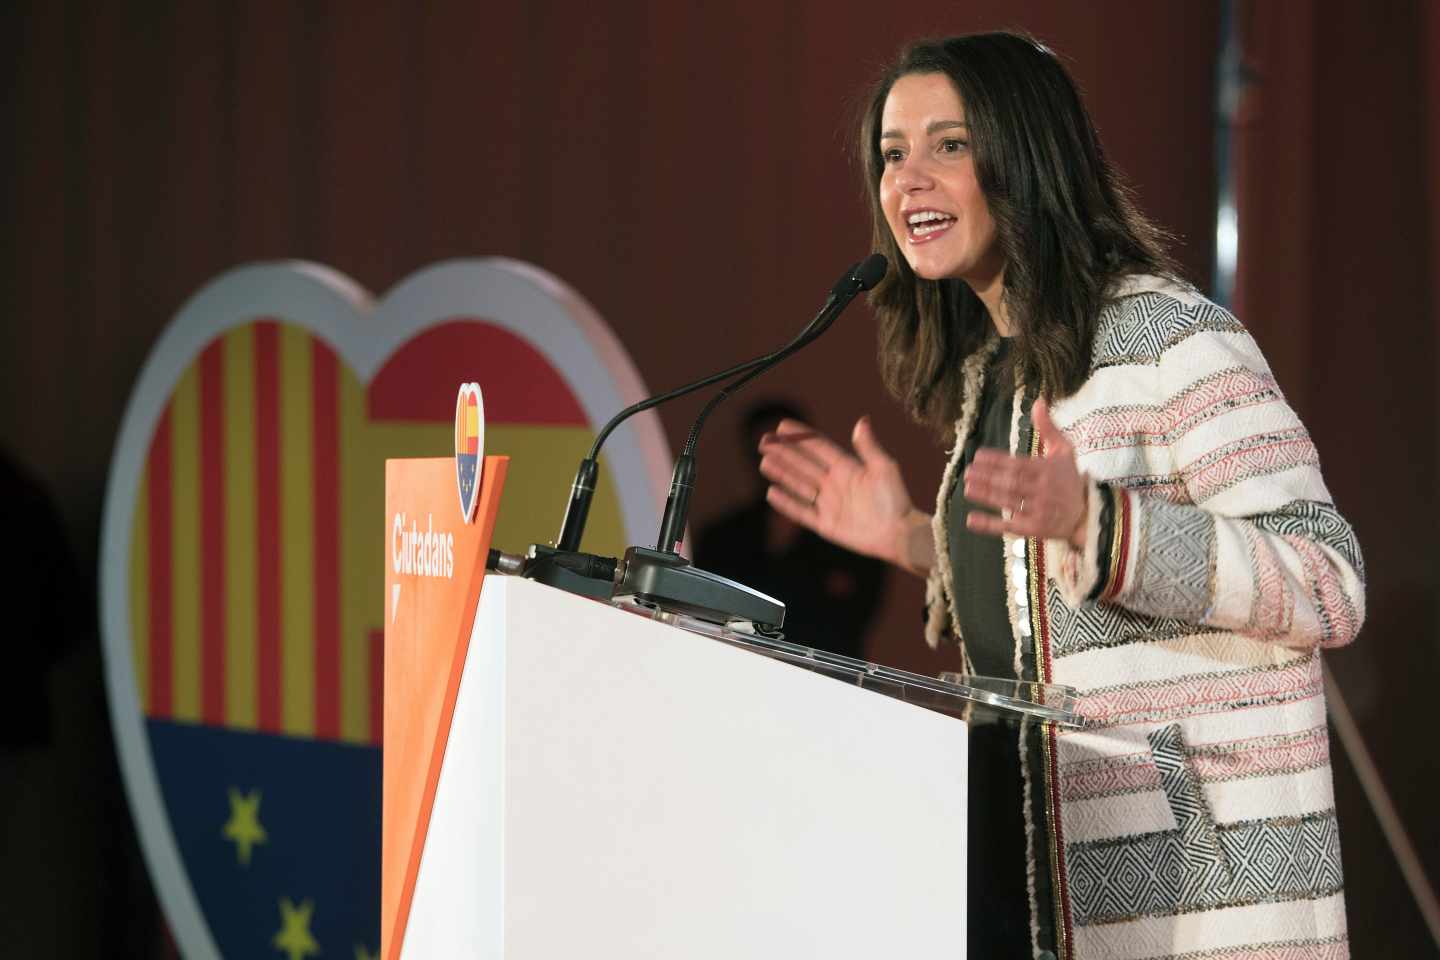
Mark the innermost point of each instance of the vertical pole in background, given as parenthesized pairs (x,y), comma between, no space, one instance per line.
(1228,83)
(1398,839)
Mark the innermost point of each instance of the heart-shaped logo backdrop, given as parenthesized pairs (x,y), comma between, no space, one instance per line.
(242,561)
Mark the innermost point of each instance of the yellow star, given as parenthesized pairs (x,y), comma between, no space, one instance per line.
(294,937)
(244,824)
(362,954)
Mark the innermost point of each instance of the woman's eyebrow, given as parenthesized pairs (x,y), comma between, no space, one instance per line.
(946,125)
(932,128)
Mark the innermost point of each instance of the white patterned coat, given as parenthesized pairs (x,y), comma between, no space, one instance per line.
(1194,815)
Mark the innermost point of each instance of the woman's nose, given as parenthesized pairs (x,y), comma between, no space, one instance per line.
(913,176)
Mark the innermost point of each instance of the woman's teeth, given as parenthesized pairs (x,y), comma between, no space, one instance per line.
(926,222)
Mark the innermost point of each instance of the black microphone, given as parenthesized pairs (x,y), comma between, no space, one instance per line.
(582,491)
(860,277)
(563,565)
(663,579)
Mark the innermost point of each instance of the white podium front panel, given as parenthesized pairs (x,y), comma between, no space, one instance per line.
(614,787)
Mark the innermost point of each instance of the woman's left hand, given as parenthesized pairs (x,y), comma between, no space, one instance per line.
(1042,496)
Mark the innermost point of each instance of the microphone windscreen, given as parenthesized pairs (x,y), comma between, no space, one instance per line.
(871,270)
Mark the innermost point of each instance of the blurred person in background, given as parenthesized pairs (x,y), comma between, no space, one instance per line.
(831,594)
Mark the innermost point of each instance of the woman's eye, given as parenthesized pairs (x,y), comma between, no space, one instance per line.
(893,155)
(952,145)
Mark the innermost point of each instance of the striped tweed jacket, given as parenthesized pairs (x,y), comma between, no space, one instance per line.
(1193,816)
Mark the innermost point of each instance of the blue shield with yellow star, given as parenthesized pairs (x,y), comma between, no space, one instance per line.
(270,826)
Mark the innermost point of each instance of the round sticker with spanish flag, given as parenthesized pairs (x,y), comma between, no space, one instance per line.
(469,446)
(243,557)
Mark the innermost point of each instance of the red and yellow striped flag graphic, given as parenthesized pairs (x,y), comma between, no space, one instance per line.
(256,558)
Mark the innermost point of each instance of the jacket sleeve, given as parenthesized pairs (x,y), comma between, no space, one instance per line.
(1236,530)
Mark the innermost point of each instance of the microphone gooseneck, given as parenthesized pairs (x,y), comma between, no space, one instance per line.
(661,578)
(860,277)
(582,491)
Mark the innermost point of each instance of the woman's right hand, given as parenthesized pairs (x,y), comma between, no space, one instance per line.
(858,500)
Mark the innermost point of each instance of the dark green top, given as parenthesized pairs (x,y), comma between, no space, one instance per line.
(999,915)
(978,560)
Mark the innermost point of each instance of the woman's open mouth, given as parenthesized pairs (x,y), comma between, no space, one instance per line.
(924,225)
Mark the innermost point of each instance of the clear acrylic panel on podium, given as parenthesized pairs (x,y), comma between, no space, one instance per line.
(952,693)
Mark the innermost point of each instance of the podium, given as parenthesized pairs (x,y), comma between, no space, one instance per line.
(607,784)
(616,787)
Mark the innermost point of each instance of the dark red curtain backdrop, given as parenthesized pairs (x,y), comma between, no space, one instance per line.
(686,167)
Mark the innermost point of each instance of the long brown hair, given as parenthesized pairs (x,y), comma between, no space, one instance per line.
(1064,221)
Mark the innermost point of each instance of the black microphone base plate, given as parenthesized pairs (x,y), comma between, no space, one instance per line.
(670,582)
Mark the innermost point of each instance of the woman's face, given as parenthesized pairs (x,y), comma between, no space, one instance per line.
(928,190)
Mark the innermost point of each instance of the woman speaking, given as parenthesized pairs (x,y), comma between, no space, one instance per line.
(1130,508)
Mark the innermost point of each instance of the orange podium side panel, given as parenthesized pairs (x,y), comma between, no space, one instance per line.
(434,566)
